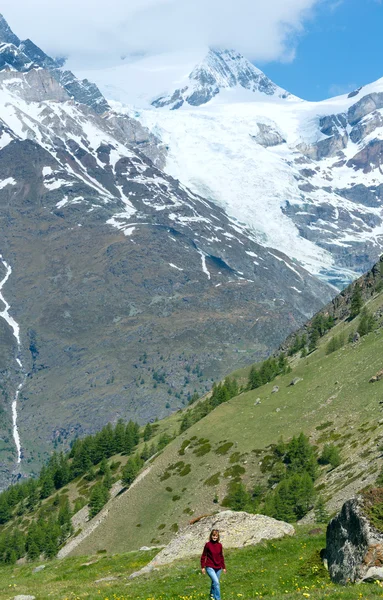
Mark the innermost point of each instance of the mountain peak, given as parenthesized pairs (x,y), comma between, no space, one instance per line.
(221,69)
(6,34)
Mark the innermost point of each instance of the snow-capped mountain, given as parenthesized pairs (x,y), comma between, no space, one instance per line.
(23,56)
(305,177)
(189,78)
(111,270)
(220,70)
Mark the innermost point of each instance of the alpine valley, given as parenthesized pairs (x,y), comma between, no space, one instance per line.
(124,292)
(165,221)
(182,342)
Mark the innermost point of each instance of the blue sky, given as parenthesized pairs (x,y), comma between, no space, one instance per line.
(339,50)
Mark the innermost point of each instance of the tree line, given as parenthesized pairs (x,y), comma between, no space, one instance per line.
(49,528)
(290,493)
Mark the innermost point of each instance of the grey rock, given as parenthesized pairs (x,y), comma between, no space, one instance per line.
(38,569)
(275,389)
(37,55)
(332,124)
(325,148)
(34,86)
(12,57)
(268,136)
(368,158)
(237,530)
(24,56)
(258,401)
(354,548)
(6,34)
(365,127)
(356,337)
(354,93)
(24,597)
(365,106)
(82,91)
(295,381)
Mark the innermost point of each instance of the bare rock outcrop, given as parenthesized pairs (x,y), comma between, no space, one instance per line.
(237,529)
(354,545)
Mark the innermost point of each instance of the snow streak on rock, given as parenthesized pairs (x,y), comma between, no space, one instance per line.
(4,314)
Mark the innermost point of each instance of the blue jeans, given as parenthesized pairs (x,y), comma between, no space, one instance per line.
(214,575)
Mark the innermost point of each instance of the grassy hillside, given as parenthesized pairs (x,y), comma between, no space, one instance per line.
(333,402)
(289,568)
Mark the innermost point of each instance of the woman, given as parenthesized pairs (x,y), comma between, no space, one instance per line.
(213,563)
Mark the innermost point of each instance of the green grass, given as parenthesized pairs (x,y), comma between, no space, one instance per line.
(289,568)
(333,402)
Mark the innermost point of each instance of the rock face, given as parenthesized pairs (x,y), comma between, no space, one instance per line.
(123,281)
(237,529)
(354,547)
(16,55)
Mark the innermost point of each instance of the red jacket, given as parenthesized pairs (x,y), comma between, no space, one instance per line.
(212,556)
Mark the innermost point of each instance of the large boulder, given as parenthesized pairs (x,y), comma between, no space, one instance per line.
(237,529)
(354,542)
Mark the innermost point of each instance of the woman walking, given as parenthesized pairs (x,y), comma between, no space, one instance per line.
(213,563)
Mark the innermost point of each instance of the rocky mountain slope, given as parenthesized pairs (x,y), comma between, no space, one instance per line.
(332,394)
(331,399)
(306,177)
(125,292)
(23,56)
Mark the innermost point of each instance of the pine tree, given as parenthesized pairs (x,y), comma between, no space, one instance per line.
(313,341)
(300,456)
(119,437)
(366,323)
(186,422)
(148,432)
(103,466)
(5,511)
(130,471)
(108,479)
(321,514)
(98,498)
(356,301)
(238,497)
(47,486)
(330,456)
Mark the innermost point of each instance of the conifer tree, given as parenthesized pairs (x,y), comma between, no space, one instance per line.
(148,432)
(108,479)
(321,514)
(356,301)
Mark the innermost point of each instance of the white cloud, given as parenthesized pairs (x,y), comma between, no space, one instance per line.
(90,30)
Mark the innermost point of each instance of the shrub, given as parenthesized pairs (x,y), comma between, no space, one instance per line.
(234,471)
(202,450)
(292,498)
(366,323)
(238,498)
(224,449)
(185,471)
(335,343)
(330,456)
(213,480)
